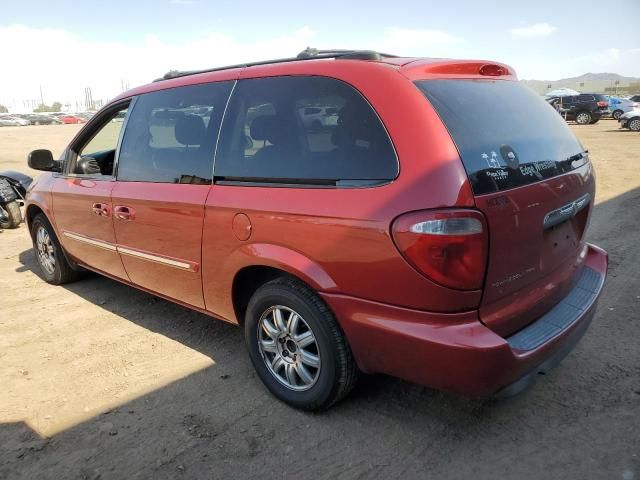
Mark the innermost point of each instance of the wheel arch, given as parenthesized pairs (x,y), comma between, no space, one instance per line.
(30,213)
(258,264)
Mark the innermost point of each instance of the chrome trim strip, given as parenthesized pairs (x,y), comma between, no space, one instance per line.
(570,210)
(131,252)
(90,241)
(155,258)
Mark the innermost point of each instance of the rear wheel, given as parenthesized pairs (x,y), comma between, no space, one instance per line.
(594,121)
(297,346)
(634,125)
(616,114)
(51,259)
(583,118)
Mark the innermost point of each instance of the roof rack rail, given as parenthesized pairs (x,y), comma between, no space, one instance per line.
(307,54)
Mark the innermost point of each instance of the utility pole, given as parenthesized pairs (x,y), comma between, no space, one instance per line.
(41,96)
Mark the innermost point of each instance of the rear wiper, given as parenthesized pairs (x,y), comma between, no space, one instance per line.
(578,156)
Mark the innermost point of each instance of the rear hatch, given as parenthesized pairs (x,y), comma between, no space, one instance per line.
(532,180)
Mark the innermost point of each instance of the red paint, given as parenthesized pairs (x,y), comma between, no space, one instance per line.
(73,200)
(340,241)
(167,222)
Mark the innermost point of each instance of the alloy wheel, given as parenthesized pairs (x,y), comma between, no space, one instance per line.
(583,118)
(45,250)
(289,348)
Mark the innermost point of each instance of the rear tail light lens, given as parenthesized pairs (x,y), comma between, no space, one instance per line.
(603,104)
(447,246)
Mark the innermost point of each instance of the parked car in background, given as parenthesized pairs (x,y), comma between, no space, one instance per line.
(630,120)
(411,237)
(316,117)
(584,109)
(11,120)
(85,115)
(635,98)
(66,119)
(618,106)
(42,119)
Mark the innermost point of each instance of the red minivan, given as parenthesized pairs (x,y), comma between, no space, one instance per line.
(431,227)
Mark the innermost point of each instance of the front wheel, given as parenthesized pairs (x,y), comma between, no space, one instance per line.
(297,347)
(634,125)
(51,259)
(14,216)
(583,118)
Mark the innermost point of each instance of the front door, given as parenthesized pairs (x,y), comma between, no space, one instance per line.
(164,175)
(82,195)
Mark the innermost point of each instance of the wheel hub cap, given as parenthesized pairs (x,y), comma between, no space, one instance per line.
(45,250)
(289,348)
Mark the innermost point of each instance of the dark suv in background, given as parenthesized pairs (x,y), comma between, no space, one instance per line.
(585,109)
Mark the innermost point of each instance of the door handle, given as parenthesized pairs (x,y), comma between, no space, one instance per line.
(123,212)
(101,209)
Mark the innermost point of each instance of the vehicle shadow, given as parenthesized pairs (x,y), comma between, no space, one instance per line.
(220,422)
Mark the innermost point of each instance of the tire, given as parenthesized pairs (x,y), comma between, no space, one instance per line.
(594,121)
(15,215)
(634,124)
(616,114)
(583,118)
(316,337)
(59,271)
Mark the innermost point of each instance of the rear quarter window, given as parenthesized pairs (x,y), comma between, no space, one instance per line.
(303,130)
(507,136)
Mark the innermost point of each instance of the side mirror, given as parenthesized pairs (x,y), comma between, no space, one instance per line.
(42,160)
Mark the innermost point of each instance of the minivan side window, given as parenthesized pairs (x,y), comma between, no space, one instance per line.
(171,134)
(303,130)
(96,156)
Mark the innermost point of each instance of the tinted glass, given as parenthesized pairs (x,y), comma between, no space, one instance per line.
(507,135)
(171,135)
(303,130)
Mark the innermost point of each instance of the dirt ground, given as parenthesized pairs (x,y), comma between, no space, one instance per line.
(99,380)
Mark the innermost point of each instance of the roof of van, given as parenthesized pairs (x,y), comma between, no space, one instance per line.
(414,68)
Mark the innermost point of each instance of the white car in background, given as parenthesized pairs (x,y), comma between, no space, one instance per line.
(317,118)
(11,121)
(630,120)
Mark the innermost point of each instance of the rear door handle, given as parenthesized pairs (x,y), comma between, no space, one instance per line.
(123,212)
(101,209)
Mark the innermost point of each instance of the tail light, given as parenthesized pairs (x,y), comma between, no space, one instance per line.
(603,104)
(448,246)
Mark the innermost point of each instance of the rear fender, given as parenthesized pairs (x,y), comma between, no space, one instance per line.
(219,300)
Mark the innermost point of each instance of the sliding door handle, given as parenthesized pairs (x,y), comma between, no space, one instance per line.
(123,212)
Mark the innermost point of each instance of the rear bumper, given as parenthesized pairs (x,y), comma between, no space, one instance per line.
(456,352)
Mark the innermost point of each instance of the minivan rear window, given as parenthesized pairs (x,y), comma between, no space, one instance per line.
(507,136)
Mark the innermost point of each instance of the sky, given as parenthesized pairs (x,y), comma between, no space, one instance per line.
(65,46)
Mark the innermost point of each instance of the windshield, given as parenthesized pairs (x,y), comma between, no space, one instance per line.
(507,136)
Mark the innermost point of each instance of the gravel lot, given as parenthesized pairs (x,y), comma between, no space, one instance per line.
(99,380)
